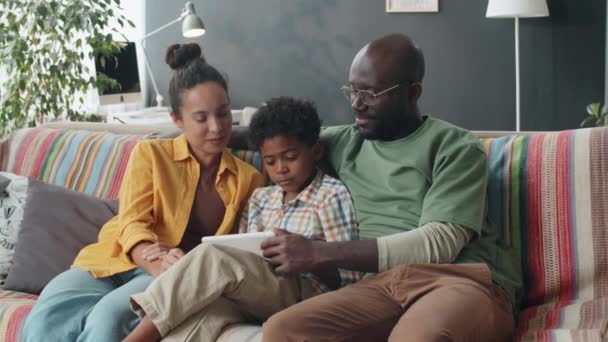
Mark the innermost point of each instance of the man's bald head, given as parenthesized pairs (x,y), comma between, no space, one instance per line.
(396,55)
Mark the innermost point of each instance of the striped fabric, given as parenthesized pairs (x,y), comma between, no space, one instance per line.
(549,197)
(14,306)
(89,162)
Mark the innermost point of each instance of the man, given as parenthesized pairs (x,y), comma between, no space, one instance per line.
(418,185)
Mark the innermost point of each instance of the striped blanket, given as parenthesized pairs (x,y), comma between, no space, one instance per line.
(548,194)
(89,162)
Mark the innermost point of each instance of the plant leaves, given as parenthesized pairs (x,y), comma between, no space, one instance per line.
(593,108)
(587,120)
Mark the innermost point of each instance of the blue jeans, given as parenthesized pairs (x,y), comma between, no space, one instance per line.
(74,306)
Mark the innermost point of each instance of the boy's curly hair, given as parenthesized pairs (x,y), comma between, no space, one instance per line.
(292,117)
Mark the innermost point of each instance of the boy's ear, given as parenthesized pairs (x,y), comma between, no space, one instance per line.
(317,150)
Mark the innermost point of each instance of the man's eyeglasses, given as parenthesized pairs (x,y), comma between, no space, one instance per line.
(366,96)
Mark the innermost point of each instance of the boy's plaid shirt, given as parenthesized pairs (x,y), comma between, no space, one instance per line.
(323,210)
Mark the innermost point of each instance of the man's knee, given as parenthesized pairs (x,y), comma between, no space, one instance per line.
(281,327)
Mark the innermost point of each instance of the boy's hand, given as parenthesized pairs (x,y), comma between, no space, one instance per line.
(289,253)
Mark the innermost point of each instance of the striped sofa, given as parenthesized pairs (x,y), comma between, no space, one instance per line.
(548,195)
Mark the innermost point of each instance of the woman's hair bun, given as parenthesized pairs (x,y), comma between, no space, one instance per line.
(180,55)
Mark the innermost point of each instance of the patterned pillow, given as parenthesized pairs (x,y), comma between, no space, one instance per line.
(12,202)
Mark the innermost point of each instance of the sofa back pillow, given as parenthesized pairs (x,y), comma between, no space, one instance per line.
(57,224)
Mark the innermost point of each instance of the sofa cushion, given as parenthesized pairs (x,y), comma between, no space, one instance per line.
(89,162)
(548,197)
(57,223)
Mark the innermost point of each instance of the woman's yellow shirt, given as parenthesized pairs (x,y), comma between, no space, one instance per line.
(156,198)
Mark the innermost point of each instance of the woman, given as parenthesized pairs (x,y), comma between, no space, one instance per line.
(173,193)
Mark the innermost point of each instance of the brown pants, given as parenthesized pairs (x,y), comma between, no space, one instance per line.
(422,302)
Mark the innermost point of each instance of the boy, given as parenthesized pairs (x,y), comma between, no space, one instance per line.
(304,201)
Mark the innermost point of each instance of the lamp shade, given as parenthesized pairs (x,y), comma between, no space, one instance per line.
(517,8)
(192,25)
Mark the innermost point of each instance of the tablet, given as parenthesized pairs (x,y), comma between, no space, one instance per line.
(247,241)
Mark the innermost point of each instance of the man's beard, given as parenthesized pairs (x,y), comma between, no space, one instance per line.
(380,127)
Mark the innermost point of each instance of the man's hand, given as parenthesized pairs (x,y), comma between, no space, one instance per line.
(170,258)
(290,253)
(155,251)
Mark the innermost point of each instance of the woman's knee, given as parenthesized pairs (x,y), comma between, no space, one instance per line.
(109,322)
(60,308)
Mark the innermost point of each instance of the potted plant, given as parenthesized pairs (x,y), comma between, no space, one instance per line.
(597,115)
(44,46)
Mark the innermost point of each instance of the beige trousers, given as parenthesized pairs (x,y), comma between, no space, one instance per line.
(214,286)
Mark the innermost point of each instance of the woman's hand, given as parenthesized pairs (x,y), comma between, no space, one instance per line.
(155,251)
(170,258)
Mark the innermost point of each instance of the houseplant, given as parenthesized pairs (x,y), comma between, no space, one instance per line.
(45,47)
(597,115)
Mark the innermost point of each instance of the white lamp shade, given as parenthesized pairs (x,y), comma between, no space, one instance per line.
(517,8)
(192,26)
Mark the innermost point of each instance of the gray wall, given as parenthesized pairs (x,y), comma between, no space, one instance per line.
(305,47)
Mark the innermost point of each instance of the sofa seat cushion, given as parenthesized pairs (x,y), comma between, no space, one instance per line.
(14,307)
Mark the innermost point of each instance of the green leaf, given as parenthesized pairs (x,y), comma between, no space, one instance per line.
(42,10)
(593,108)
(587,120)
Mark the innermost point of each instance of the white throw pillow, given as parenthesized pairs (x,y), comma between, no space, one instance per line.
(12,202)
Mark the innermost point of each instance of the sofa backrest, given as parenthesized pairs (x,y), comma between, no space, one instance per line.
(548,196)
(92,162)
(89,162)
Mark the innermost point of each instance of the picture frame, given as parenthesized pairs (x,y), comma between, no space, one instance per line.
(400,6)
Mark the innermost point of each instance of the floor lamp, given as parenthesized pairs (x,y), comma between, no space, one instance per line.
(517,9)
(192,26)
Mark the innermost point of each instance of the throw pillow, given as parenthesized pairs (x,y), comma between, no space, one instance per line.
(12,200)
(57,223)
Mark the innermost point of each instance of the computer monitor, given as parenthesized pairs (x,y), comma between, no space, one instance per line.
(123,68)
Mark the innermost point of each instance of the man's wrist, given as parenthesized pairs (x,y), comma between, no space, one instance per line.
(321,255)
